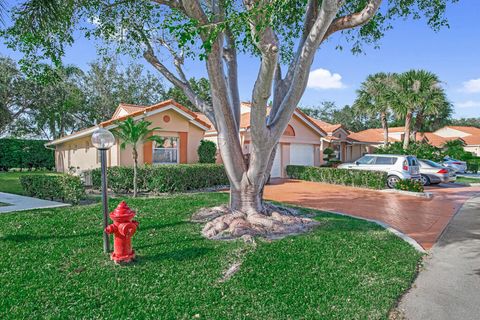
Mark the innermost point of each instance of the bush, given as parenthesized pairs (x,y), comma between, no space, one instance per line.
(30,154)
(409,185)
(419,149)
(163,178)
(354,178)
(473,165)
(63,187)
(207,151)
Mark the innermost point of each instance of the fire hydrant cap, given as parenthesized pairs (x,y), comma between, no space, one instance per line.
(122,213)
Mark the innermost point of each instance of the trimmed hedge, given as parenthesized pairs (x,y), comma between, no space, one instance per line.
(163,178)
(63,187)
(19,153)
(409,185)
(473,165)
(354,178)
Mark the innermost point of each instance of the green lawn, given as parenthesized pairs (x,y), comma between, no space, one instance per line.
(53,267)
(467,180)
(10,181)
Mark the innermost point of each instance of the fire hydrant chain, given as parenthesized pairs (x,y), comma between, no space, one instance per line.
(123,228)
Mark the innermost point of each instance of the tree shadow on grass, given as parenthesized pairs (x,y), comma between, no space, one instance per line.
(177,255)
(20,238)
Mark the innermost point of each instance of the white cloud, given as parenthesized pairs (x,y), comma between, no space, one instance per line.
(324,79)
(471,86)
(468,104)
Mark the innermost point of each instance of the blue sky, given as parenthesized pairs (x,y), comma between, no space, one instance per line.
(453,54)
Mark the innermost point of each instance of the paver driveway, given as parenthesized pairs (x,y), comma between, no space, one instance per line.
(421,219)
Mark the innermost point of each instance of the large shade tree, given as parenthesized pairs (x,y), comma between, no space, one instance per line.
(284,34)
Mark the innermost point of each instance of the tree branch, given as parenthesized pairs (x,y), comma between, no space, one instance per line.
(230,58)
(300,66)
(355,19)
(150,56)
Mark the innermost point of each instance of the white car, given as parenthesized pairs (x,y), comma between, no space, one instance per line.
(457,165)
(398,167)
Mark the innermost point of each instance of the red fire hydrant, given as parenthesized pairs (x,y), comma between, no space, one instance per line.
(123,228)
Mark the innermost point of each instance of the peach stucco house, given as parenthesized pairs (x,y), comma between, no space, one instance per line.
(302,143)
(182,128)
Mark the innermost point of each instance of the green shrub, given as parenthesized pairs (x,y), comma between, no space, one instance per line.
(473,165)
(29,154)
(163,178)
(355,178)
(64,187)
(409,185)
(419,149)
(207,151)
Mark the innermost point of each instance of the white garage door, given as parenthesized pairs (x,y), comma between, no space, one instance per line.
(301,154)
(277,166)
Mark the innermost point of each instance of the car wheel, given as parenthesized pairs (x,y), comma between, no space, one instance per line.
(392,181)
(425,180)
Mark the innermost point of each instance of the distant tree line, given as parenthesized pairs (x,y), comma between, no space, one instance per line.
(25,154)
(76,99)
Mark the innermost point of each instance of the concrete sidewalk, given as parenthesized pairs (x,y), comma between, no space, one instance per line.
(448,287)
(21,203)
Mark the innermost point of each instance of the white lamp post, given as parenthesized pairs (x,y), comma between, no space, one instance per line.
(103,140)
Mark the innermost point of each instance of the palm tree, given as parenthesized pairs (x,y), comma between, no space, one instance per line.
(133,133)
(415,90)
(374,97)
(434,104)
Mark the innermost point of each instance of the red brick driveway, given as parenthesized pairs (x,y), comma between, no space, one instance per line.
(421,219)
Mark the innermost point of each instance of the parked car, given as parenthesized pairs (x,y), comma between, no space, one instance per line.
(457,165)
(434,173)
(398,167)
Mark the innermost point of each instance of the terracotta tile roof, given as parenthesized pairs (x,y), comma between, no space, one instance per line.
(370,135)
(469,130)
(245,118)
(141,110)
(435,140)
(472,140)
(327,127)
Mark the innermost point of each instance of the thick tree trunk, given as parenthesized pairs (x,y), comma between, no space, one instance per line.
(383,117)
(408,122)
(135,166)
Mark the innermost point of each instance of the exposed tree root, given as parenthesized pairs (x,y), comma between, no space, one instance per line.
(274,222)
(238,258)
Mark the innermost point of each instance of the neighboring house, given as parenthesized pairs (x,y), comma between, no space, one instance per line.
(182,128)
(336,139)
(469,135)
(373,138)
(302,143)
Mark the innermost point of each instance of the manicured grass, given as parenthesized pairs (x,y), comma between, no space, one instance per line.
(10,181)
(467,180)
(53,267)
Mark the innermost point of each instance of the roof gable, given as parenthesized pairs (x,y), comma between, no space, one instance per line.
(140,112)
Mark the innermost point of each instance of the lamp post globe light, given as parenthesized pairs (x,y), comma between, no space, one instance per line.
(102,139)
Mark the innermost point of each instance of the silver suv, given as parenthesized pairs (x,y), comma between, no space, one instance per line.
(398,167)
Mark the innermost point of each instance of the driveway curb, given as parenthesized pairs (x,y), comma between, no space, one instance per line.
(386,226)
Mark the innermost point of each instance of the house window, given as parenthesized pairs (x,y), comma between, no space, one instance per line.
(165,151)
